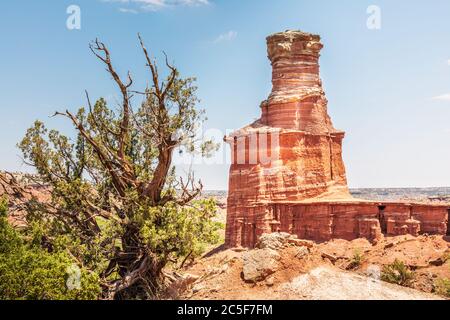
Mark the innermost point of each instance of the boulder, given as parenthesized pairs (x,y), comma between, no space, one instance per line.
(258,264)
(273,241)
(278,240)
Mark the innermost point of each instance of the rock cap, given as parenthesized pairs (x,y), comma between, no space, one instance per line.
(293,42)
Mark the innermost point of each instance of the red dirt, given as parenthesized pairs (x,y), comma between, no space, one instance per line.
(320,273)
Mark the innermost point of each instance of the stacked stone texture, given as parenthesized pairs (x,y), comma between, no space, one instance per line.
(287,172)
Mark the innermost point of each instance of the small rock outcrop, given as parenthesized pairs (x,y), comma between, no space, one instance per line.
(259,263)
(287,173)
(262,261)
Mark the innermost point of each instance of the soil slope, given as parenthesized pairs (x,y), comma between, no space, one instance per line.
(322,272)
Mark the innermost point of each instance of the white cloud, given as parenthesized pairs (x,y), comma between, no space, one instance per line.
(448,61)
(444,97)
(228,36)
(125,10)
(155,5)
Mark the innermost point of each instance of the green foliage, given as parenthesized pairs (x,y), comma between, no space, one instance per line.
(442,287)
(9,240)
(446,256)
(356,260)
(29,272)
(398,273)
(179,231)
(116,204)
(3,207)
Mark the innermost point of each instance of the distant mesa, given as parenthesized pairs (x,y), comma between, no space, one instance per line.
(287,172)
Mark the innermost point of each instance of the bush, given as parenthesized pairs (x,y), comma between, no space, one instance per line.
(442,287)
(29,272)
(356,260)
(398,273)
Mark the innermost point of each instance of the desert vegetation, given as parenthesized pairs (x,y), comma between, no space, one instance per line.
(116,208)
(443,287)
(397,272)
(30,271)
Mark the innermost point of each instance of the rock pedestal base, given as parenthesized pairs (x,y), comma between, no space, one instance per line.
(327,220)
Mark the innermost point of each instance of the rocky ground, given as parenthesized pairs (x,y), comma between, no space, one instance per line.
(283,267)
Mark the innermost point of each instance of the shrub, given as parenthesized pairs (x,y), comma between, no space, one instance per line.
(356,260)
(442,287)
(29,272)
(398,273)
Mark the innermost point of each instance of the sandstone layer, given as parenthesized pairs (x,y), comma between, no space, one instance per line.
(287,172)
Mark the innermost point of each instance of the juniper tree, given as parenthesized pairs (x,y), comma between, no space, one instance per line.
(116,202)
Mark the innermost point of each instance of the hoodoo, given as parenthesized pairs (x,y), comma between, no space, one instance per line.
(287,172)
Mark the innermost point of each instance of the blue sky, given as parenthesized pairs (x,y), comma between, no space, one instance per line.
(381,84)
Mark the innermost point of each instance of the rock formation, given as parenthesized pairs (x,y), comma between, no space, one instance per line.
(287,172)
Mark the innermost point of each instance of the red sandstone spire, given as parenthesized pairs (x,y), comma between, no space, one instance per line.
(297,100)
(287,172)
(295,131)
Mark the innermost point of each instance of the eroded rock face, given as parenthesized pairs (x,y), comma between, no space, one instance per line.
(297,100)
(287,173)
(292,152)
